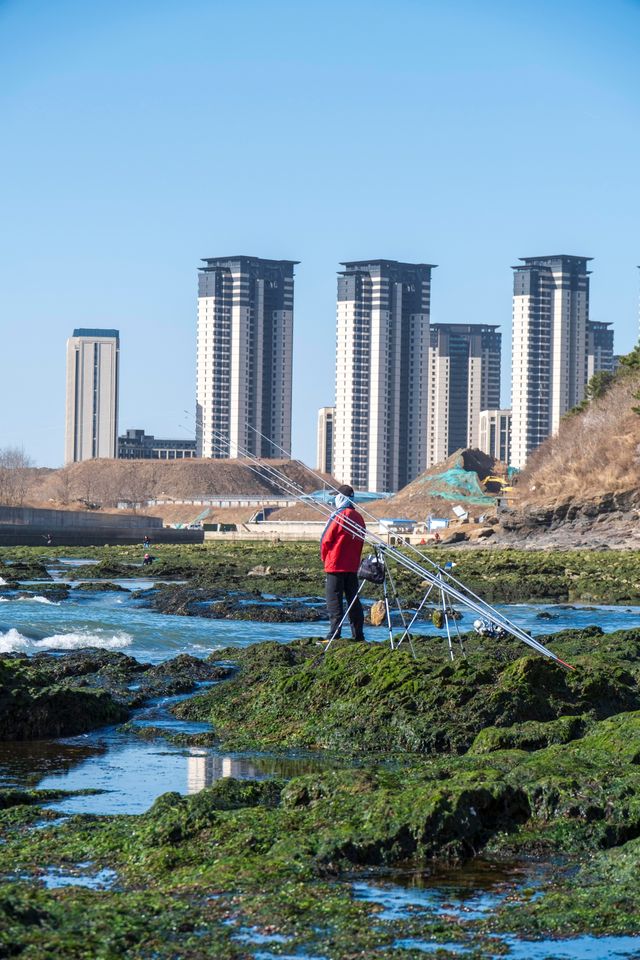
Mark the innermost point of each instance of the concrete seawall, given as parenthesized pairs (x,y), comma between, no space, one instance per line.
(30,526)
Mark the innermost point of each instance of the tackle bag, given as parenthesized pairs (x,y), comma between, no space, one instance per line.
(372,569)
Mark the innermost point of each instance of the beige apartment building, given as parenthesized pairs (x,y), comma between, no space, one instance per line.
(324,453)
(464,378)
(495,434)
(93,362)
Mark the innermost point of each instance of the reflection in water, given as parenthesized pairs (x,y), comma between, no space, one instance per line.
(24,763)
(204,768)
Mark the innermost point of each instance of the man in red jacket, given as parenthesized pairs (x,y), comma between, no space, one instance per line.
(341,549)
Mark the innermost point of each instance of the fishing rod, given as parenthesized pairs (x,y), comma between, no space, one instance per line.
(441,571)
(483,609)
(459,592)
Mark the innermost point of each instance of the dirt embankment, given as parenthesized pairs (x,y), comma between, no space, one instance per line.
(581,488)
(105,483)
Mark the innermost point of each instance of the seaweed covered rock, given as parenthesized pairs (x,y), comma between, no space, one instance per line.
(51,695)
(367,698)
(32,710)
(268,852)
(101,586)
(32,568)
(531,735)
(216,604)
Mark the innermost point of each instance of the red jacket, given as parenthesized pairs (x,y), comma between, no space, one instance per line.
(341,546)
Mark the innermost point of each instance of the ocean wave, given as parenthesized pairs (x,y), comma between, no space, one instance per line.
(53,603)
(14,642)
(3,582)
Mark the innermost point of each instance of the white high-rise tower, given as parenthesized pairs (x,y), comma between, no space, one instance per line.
(549,361)
(244,357)
(381,373)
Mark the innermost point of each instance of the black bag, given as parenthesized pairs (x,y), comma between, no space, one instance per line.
(372,569)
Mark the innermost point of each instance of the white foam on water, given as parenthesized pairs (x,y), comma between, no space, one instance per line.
(3,582)
(53,603)
(14,642)
(75,641)
(38,600)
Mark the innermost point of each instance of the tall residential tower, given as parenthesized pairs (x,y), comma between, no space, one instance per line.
(549,362)
(381,373)
(244,357)
(464,378)
(93,362)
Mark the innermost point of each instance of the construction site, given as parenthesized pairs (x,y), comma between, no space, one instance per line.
(277,500)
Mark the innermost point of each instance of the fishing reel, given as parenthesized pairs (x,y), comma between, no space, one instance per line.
(485,628)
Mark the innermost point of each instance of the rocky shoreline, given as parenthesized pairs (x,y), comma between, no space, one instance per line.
(501,754)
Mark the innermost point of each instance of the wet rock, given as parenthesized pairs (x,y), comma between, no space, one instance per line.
(265,612)
(106,569)
(200,601)
(18,570)
(50,695)
(33,711)
(183,601)
(101,587)
(180,675)
(55,668)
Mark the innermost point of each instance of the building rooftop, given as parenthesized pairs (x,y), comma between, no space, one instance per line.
(212,261)
(95,332)
(465,327)
(384,263)
(544,261)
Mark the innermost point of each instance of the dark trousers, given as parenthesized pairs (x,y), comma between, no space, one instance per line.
(339,585)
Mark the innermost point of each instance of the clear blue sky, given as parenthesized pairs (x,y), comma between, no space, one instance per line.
(139,136)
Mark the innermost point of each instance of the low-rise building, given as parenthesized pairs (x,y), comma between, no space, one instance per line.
(138,445)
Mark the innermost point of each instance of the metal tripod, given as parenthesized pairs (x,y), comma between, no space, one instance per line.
(446,616)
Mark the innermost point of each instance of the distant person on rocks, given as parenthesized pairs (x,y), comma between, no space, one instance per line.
(49,540)
(147,559)
(437,538)
(146,542)
(341,549)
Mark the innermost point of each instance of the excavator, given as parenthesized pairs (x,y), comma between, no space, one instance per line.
(497,486)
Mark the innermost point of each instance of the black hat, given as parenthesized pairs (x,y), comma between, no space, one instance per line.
(346,490)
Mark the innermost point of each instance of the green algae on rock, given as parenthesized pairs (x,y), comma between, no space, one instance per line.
(499,575)
(267,849)
(32,710)
(271,852)
(48,695)
(361,698)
